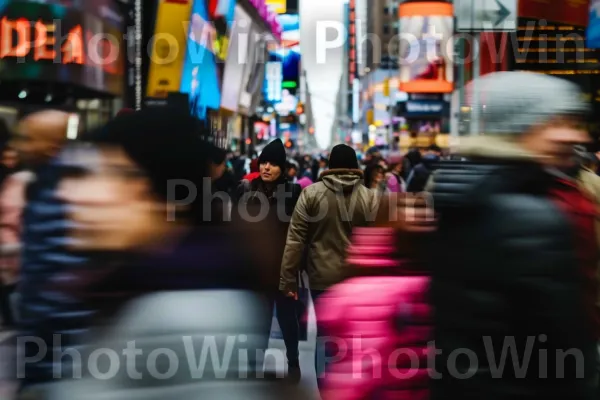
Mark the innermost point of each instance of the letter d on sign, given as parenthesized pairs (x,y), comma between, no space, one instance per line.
(323,44)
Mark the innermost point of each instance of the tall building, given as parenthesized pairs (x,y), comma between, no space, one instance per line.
(383,27)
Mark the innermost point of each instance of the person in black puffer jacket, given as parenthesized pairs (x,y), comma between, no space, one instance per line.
(509,262)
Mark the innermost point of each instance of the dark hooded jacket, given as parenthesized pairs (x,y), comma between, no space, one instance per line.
(505,273)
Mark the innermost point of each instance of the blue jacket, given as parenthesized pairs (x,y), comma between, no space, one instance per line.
(45,312)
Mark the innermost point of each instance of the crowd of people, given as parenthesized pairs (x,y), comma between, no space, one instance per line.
(431,278)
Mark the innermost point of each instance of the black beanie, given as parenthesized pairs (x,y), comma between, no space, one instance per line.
(274,153)
(343,156)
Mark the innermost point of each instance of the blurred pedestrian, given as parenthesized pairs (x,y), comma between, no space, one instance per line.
(146,236)
(515,254)
(385,298)
(375,178)
(38,140)
(395,182)
(420,174)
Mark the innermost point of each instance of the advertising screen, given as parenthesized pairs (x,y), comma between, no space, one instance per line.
(95,64)
(284,63)
(167,57)
(207,46)
(237,58)
(593,30)
(425,65)
(289,52)
(277,6)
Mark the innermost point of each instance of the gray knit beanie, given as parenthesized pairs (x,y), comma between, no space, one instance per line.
(513,102)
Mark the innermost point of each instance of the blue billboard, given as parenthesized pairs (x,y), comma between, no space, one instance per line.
(287,55)
(593,30)
(206,52)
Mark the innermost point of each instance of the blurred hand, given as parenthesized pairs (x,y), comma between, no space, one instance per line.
(293,295)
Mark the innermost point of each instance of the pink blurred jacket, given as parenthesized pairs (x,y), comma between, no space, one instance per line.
(304,182)
(12,202)
(391,314)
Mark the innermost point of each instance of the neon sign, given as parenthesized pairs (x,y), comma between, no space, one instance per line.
(97,50)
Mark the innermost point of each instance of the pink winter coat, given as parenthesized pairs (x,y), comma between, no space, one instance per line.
(12,202)
(304,182)
(384,322)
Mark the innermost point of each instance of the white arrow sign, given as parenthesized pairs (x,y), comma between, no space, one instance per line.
(486,15)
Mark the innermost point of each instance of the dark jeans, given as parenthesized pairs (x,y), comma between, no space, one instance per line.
(287,318)
(5,304)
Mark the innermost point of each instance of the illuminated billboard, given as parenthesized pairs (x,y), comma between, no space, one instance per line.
(49,42)
(206,52)
(425,65)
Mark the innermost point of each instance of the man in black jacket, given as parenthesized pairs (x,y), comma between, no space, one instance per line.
(508,288)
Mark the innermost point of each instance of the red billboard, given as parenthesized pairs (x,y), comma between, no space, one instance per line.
(569,12)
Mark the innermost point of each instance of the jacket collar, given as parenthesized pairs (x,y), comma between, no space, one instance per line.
(341,171)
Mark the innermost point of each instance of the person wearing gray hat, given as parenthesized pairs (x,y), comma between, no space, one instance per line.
(515,249)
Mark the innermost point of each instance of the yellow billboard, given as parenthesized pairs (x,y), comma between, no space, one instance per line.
(168,47)
(277,6)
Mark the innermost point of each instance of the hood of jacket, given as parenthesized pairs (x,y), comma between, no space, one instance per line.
(494,148)
(495,164)
(346,179)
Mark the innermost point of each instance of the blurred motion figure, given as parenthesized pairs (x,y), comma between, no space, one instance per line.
(516,253)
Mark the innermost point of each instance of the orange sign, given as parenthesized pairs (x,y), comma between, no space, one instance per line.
(426,23)
(15,42)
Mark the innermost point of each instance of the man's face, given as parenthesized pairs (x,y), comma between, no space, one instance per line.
(554,142)
(269,172)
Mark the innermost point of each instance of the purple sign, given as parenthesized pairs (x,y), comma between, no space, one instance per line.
(268,17)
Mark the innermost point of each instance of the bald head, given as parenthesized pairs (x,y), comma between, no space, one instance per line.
(40,136)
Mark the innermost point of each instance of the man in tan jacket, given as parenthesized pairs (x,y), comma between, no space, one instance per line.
(322,224)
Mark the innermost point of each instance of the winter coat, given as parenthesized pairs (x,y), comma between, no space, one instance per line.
(505,272)
(12,203)
(591,183)
(322,224)
(388,307)
(419,176)
(305,182)
(395,184)
(45,255)
(276,220)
